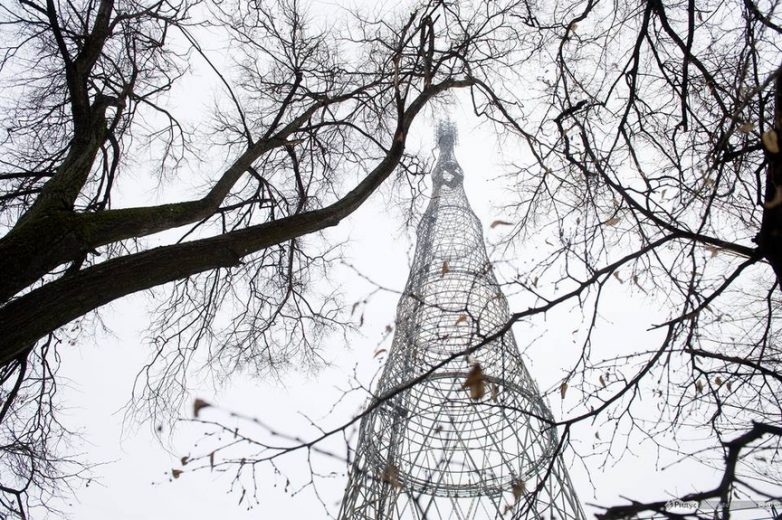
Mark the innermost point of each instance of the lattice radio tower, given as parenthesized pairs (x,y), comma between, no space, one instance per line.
(449,435)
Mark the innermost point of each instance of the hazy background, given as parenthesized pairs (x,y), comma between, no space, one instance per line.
(133,477)
(134,480)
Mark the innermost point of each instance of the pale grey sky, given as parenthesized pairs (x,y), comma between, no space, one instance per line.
(134,480)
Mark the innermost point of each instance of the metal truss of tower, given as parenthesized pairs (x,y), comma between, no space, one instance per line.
(454,436)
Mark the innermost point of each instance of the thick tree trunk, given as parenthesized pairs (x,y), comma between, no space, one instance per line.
(769,239)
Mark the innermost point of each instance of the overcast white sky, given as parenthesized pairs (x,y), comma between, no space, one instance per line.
(133,481)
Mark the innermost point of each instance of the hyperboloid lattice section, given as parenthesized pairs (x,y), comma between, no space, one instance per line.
(458,429)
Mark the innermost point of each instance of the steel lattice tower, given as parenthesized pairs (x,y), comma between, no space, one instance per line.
(461,437)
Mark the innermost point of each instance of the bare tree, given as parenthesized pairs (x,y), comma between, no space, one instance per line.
(310,123)
(654,172)
(655,169)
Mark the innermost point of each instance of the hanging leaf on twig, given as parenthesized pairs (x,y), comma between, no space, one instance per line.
(475,382)
(563,389)
(638,284)
(390,475)
(518,488)
(198,405)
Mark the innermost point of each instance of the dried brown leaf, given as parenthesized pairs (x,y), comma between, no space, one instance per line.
(198,405)
(445,269)
(391,475)
(500,223)
(563,389)
(518,489)
(770,141)
(461,319)
(638,283)
(612,221)
(176,472)
(475,382)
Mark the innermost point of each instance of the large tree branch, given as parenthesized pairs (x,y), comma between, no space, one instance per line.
(30,317)
(31,250)
(88,117)
(722,491)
